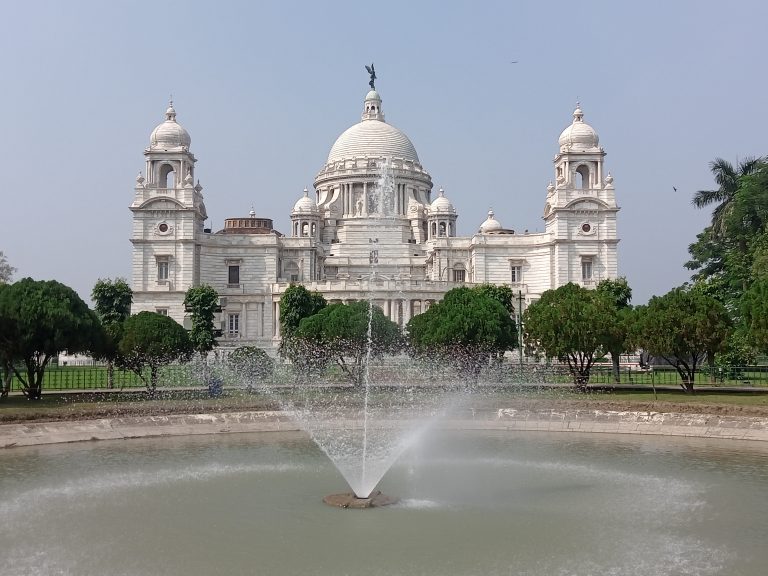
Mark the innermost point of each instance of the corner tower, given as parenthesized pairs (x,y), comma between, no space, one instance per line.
(168,216)
(580,210)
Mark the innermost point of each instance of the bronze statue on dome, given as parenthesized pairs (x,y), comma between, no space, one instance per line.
(372,72)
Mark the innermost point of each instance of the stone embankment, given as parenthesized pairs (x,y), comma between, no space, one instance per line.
(586,421)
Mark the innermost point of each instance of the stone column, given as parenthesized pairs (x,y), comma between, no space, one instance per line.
(276,319)
(406,311)
(347,199)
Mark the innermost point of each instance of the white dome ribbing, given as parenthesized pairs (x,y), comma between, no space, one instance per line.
(170,134)
(579,136)
(372,137)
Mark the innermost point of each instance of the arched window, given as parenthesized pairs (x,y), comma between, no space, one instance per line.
(582,177)
(305,229)
(167,176)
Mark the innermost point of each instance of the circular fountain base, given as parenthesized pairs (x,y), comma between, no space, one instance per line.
(350,500)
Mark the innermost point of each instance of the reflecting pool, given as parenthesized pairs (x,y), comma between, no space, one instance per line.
(471,503)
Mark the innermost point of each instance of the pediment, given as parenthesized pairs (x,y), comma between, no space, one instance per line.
(161,204)
(586,205)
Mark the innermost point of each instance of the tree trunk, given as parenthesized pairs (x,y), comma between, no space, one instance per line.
(110,374)
(711,364)
(687,378)
(36,385)
(153,377)
(7,379)
(616,369)
(581,379)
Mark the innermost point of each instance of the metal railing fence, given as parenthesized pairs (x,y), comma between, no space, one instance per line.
(74,378)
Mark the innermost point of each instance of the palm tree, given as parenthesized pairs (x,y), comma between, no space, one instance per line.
(728,180)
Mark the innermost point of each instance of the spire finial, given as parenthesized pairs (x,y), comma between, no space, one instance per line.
(578,114)
(170,113)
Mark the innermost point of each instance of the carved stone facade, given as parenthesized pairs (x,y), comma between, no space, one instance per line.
(369,230)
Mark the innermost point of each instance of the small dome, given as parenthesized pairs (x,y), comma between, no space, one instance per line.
(490,225)
(579,136)
(441,205)
(373,95)
(170,134)
(305,204)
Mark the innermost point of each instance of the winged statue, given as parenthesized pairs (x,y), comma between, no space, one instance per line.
(372,72)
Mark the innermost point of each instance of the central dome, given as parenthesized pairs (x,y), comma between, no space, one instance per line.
(372,137)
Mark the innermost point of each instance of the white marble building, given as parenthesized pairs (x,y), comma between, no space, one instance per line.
(370,229)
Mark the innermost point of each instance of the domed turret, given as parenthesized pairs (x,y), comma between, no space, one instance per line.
(441,205)
(170,134)
(305,205)
(490,224)
(305,217)
(579,136)
(441,217)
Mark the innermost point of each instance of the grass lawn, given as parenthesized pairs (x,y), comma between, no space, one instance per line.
(90,405)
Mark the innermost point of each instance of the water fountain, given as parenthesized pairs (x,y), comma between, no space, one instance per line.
(364,429)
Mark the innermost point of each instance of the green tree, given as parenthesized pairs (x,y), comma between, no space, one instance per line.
(466,328)
(39,319)
(202,304)
(6,270)
(298,303)
(748,211)
(724,253)
(151,341)
(755,314)
(728,180)
(251,365)
(574,325)
(619,340)
(112,303)
(685,326)
(349,334)
(504,294)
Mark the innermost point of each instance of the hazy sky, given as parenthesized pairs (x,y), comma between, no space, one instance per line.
(264,89)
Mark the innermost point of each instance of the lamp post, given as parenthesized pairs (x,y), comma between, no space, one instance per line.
(520,327)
